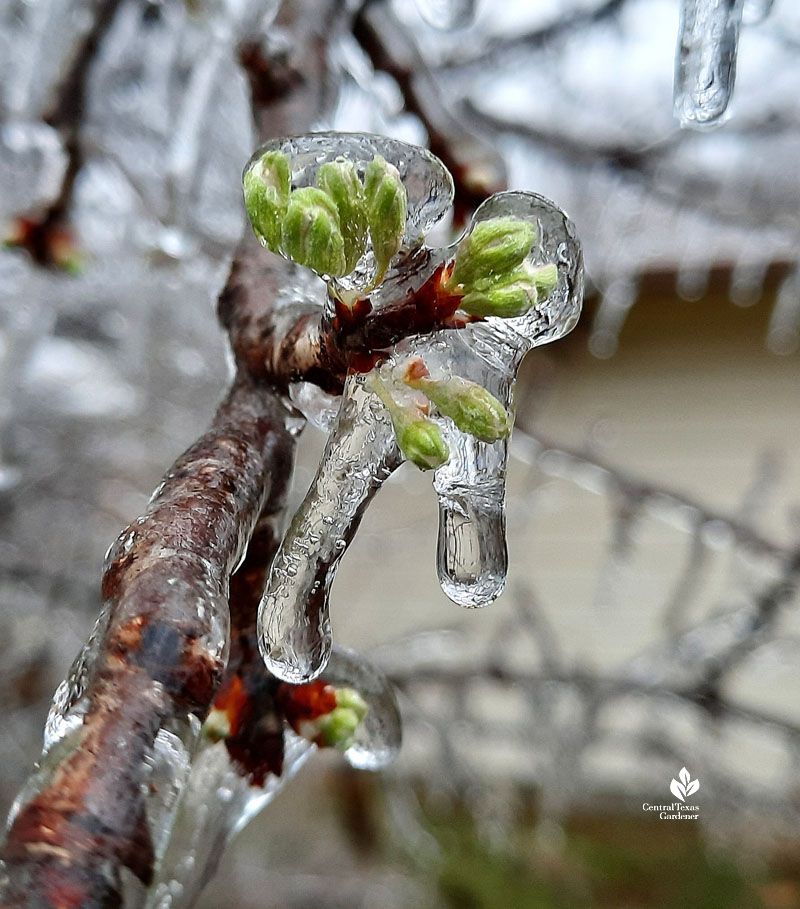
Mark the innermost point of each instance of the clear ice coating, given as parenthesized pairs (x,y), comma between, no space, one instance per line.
(447,14)
(705,65)
(378,736)
(428,184)
(219,800)
(362,450)
(293,622)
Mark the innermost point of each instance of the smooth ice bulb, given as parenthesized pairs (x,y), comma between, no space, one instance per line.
(294,619)
(471,554)
(705,65)
(304,168)
(378,737)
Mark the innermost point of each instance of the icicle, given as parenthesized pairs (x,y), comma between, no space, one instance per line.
(747,282)
(705,66)
(783,334)
(756,11)
(615,304)
(294,624)
(447,14)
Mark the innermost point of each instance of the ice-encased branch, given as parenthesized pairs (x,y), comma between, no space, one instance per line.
(158,661)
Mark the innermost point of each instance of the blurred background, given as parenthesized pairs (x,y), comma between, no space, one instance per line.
(651,620)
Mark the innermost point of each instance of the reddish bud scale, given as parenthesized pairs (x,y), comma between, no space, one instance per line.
(300,703)
(232,700)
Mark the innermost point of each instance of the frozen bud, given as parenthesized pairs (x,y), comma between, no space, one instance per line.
(217,725)
(266,196)
(337,729)
(310,233)
(421,441)
(545,277)
(512,296)
(470,406)
(491,250)
(340,181)
(387,206)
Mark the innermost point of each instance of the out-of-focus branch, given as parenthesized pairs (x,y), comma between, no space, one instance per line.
(45,234)
(478,169)
(564,26)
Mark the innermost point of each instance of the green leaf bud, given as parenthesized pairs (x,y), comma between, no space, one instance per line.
(387,207)
(310,232)
(545,277)
(266,195)
(217,726)
(349,697)
(491,250)
(421,441)
(512,296)
(337,729)
(470,406)
(339,180)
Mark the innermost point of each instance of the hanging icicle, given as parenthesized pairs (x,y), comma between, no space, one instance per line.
(705,66)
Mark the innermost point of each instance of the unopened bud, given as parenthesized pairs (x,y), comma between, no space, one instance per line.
(469,405)
(337,728)
(387,207)
(340,181)
(421,441)
(349,697)
(217,725)
(310,233)
(266,195)
(513,296)
(545,277)
(491,250)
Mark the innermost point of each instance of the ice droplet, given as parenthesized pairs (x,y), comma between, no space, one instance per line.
(378,737)
(294,623)
(705,65)
(447,14)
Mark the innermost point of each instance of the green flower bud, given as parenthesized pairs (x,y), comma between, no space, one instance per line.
(419,439)
(349,697)
(422,443)
(266,195)
(470,406)
(310,232)
(340,181)
(337,729)
(491,250)
(217,725)
(387,207)
(545,277)
(512,296)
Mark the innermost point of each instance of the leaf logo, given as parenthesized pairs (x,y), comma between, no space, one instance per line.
(684,785)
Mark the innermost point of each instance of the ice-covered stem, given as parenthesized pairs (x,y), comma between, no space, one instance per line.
(705,65)
(477,167)
(161,658)
(294,620)
(315,347)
